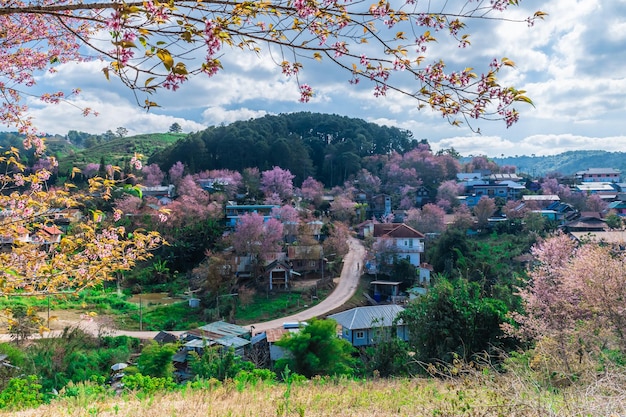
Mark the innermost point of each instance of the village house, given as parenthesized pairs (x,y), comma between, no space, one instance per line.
(366,326)
(305,258)
(401,239)
(606,190)
(598,175)
(235,211)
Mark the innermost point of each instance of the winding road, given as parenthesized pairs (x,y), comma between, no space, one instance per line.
(348,283)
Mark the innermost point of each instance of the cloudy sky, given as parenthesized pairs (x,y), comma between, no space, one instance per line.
(571,65)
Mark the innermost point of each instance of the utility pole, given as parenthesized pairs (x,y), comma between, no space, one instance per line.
(140,314)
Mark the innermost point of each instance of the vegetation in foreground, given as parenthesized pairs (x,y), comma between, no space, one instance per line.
(472,392)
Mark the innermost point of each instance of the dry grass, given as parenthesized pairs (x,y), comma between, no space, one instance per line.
(474,394)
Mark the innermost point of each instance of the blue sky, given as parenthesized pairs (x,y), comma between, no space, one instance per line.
(571,65)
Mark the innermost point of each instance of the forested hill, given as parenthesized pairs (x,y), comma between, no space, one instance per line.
(566,163)
(327,147)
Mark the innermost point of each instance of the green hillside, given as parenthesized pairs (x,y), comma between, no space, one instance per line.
(119,150)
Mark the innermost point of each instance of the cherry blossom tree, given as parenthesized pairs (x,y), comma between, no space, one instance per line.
(430,219)
(575,295)
(224,180)
(277,181)
(481,163)
(286,214)
(193,204)
(342,208)
(596,203)
(484,209)
(514,209)
(337,240)
(368,182)
(448,193)
(90,170)
(312,190)
(176,172)
(462,217)
(256,238)
(152,175)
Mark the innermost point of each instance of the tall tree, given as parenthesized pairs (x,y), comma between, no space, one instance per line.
(175,128)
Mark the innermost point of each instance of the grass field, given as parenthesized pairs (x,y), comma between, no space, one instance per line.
(474,394)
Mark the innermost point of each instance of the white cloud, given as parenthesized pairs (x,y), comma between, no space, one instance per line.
(215,116)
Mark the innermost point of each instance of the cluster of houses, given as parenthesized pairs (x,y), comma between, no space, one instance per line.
(361,326)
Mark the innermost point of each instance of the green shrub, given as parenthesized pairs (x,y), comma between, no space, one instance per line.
(147,384)
(21,393)
(252,377)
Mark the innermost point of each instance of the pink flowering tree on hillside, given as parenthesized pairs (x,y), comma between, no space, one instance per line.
(430,219)
(176,173)
(368,183)
(448,193)
(152,175)
(463,218)
(575,296)
(286,214)
(277,183)
(595,203)
(224,180)
(192,204)
(312,190)
(257,238)
(343,209)
(483,210)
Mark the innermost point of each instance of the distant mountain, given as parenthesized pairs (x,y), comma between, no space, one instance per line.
(566,163)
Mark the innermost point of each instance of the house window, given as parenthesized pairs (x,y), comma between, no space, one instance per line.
(360,334)
(410,243)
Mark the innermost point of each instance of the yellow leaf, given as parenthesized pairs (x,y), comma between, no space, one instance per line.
(524,99)
(508,62)
(165,57)
(105,70)
(317,56)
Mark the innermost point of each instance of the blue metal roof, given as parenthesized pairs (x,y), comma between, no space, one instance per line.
(368,317)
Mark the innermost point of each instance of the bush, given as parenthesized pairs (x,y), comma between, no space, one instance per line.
(147,384)
(253,376)
(21,393)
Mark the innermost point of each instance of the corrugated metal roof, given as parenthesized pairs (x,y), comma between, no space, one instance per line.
(224,329)
(199,343)
(368,317)
(233,341)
